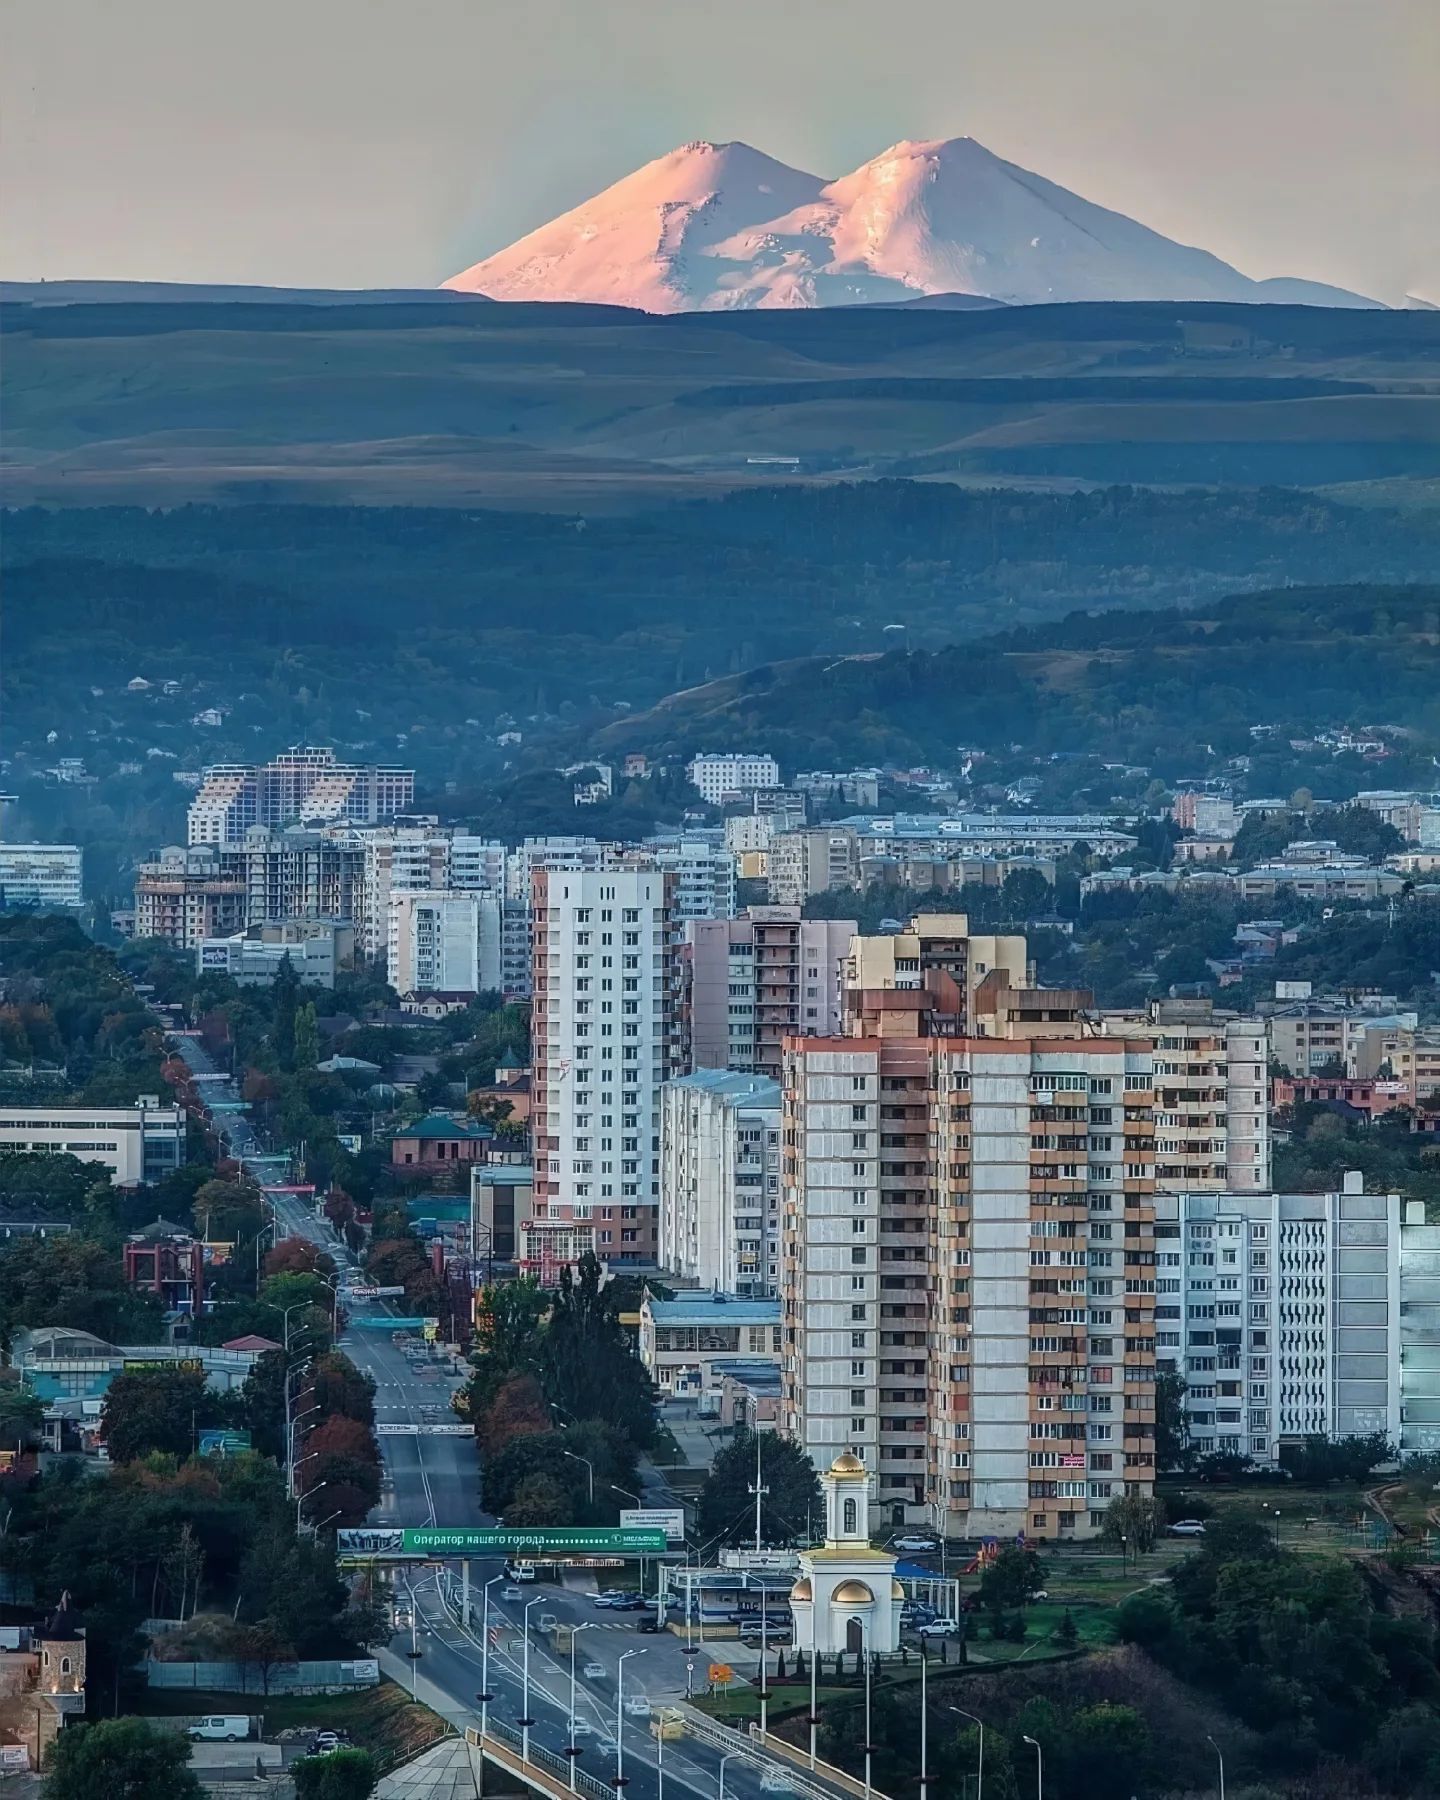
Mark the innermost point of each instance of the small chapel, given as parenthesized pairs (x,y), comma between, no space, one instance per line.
(847,1597)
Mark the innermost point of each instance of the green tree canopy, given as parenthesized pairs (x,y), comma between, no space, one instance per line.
(158,1409)
(120,1759)
(789,1513)
(342,1775)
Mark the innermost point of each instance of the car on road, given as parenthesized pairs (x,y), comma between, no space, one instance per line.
(774,1631)
(606,1744)
(638,1706)
(226,1728)
(581,1728)
(1191,1528)
(631,1603)
(915,1542)
(776,1781)
(511,1593)
(937,1628)
(648,1625)
(594,1671)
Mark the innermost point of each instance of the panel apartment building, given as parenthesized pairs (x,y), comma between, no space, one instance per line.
(1283,1313)
(605,1036)
(720,1163)
(1212,1099)
(754,980)
(967,1273)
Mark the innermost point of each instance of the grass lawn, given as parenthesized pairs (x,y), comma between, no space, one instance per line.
(383,1719)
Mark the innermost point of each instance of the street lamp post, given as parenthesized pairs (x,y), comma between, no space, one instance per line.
(526,1721)
(621,1779)
(814,1686)
(729,1756)
(869,1673)
(589,1469)
(573,1751)
(485,1696)
(1220,1758)
(924,1723)
(980,1776)
(1124,1553)
(1276,1511)
(1039,1768)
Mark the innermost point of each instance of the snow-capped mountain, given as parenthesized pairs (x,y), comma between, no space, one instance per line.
(721,225)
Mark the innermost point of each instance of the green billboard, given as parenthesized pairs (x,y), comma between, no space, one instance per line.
(385,1541)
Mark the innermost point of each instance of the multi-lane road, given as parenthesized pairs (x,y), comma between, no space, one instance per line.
(431,1479)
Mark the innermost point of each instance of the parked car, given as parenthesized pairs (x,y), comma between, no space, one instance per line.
(1039,1594)
(937,1628)
(594,1671)
(631,1603)
(325,1741)
(774,1631)
(1187,1528)
(915,1543)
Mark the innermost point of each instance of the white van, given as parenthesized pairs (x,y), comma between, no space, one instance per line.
(226,1728)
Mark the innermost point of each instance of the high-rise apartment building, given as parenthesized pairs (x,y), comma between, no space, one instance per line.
(422,858)
(968,1272)
(721,778)
(1212,1094)
(298,874)
(967,1241)
(1283,1312)
(444,942)
(605,1035)
(305,784)
(817,860)
(720,1165)
(704,871)
(938,953)
(754,980)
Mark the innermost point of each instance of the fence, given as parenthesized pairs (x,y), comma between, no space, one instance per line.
(252,1678)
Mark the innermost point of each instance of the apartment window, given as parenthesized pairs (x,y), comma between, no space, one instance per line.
(857,1253)
(857,1396)
(857,1369)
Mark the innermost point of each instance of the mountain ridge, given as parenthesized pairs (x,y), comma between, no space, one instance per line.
(720,226)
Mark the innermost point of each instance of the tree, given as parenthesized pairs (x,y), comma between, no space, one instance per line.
(21,1417)
(342,1775)
(1172,1430)
(1138,1519)
(298,1256)
(518,1409)
(263,1648)
(1066,1634)
(343,1451)
(1011,1579)
(57,1186)
(539,1500)
(727,1507)
(157,1409)
(591,1372)
(228,1212)
(284,1002)
(1318,1460)
(120,1759)
(77,1283)
(307,1037)
(338,1388)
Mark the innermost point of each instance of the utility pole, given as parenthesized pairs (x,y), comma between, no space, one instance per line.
(758,1490)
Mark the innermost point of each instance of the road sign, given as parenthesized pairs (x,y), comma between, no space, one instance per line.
(223,1443)
(442,1540)
(669,1519)
(371,1293)
(403,1430)
(382,1322)
(721,1673)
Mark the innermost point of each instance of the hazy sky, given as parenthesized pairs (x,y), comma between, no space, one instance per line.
(393,142)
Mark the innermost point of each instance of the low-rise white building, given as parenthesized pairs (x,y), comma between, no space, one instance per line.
(43,876)
(682,1340)
(138,1144)
(720,1164)
(719,778)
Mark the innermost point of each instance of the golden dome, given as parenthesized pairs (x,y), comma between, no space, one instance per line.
(847,1463)
(897,1591)
(802,1589)
(853,1593)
